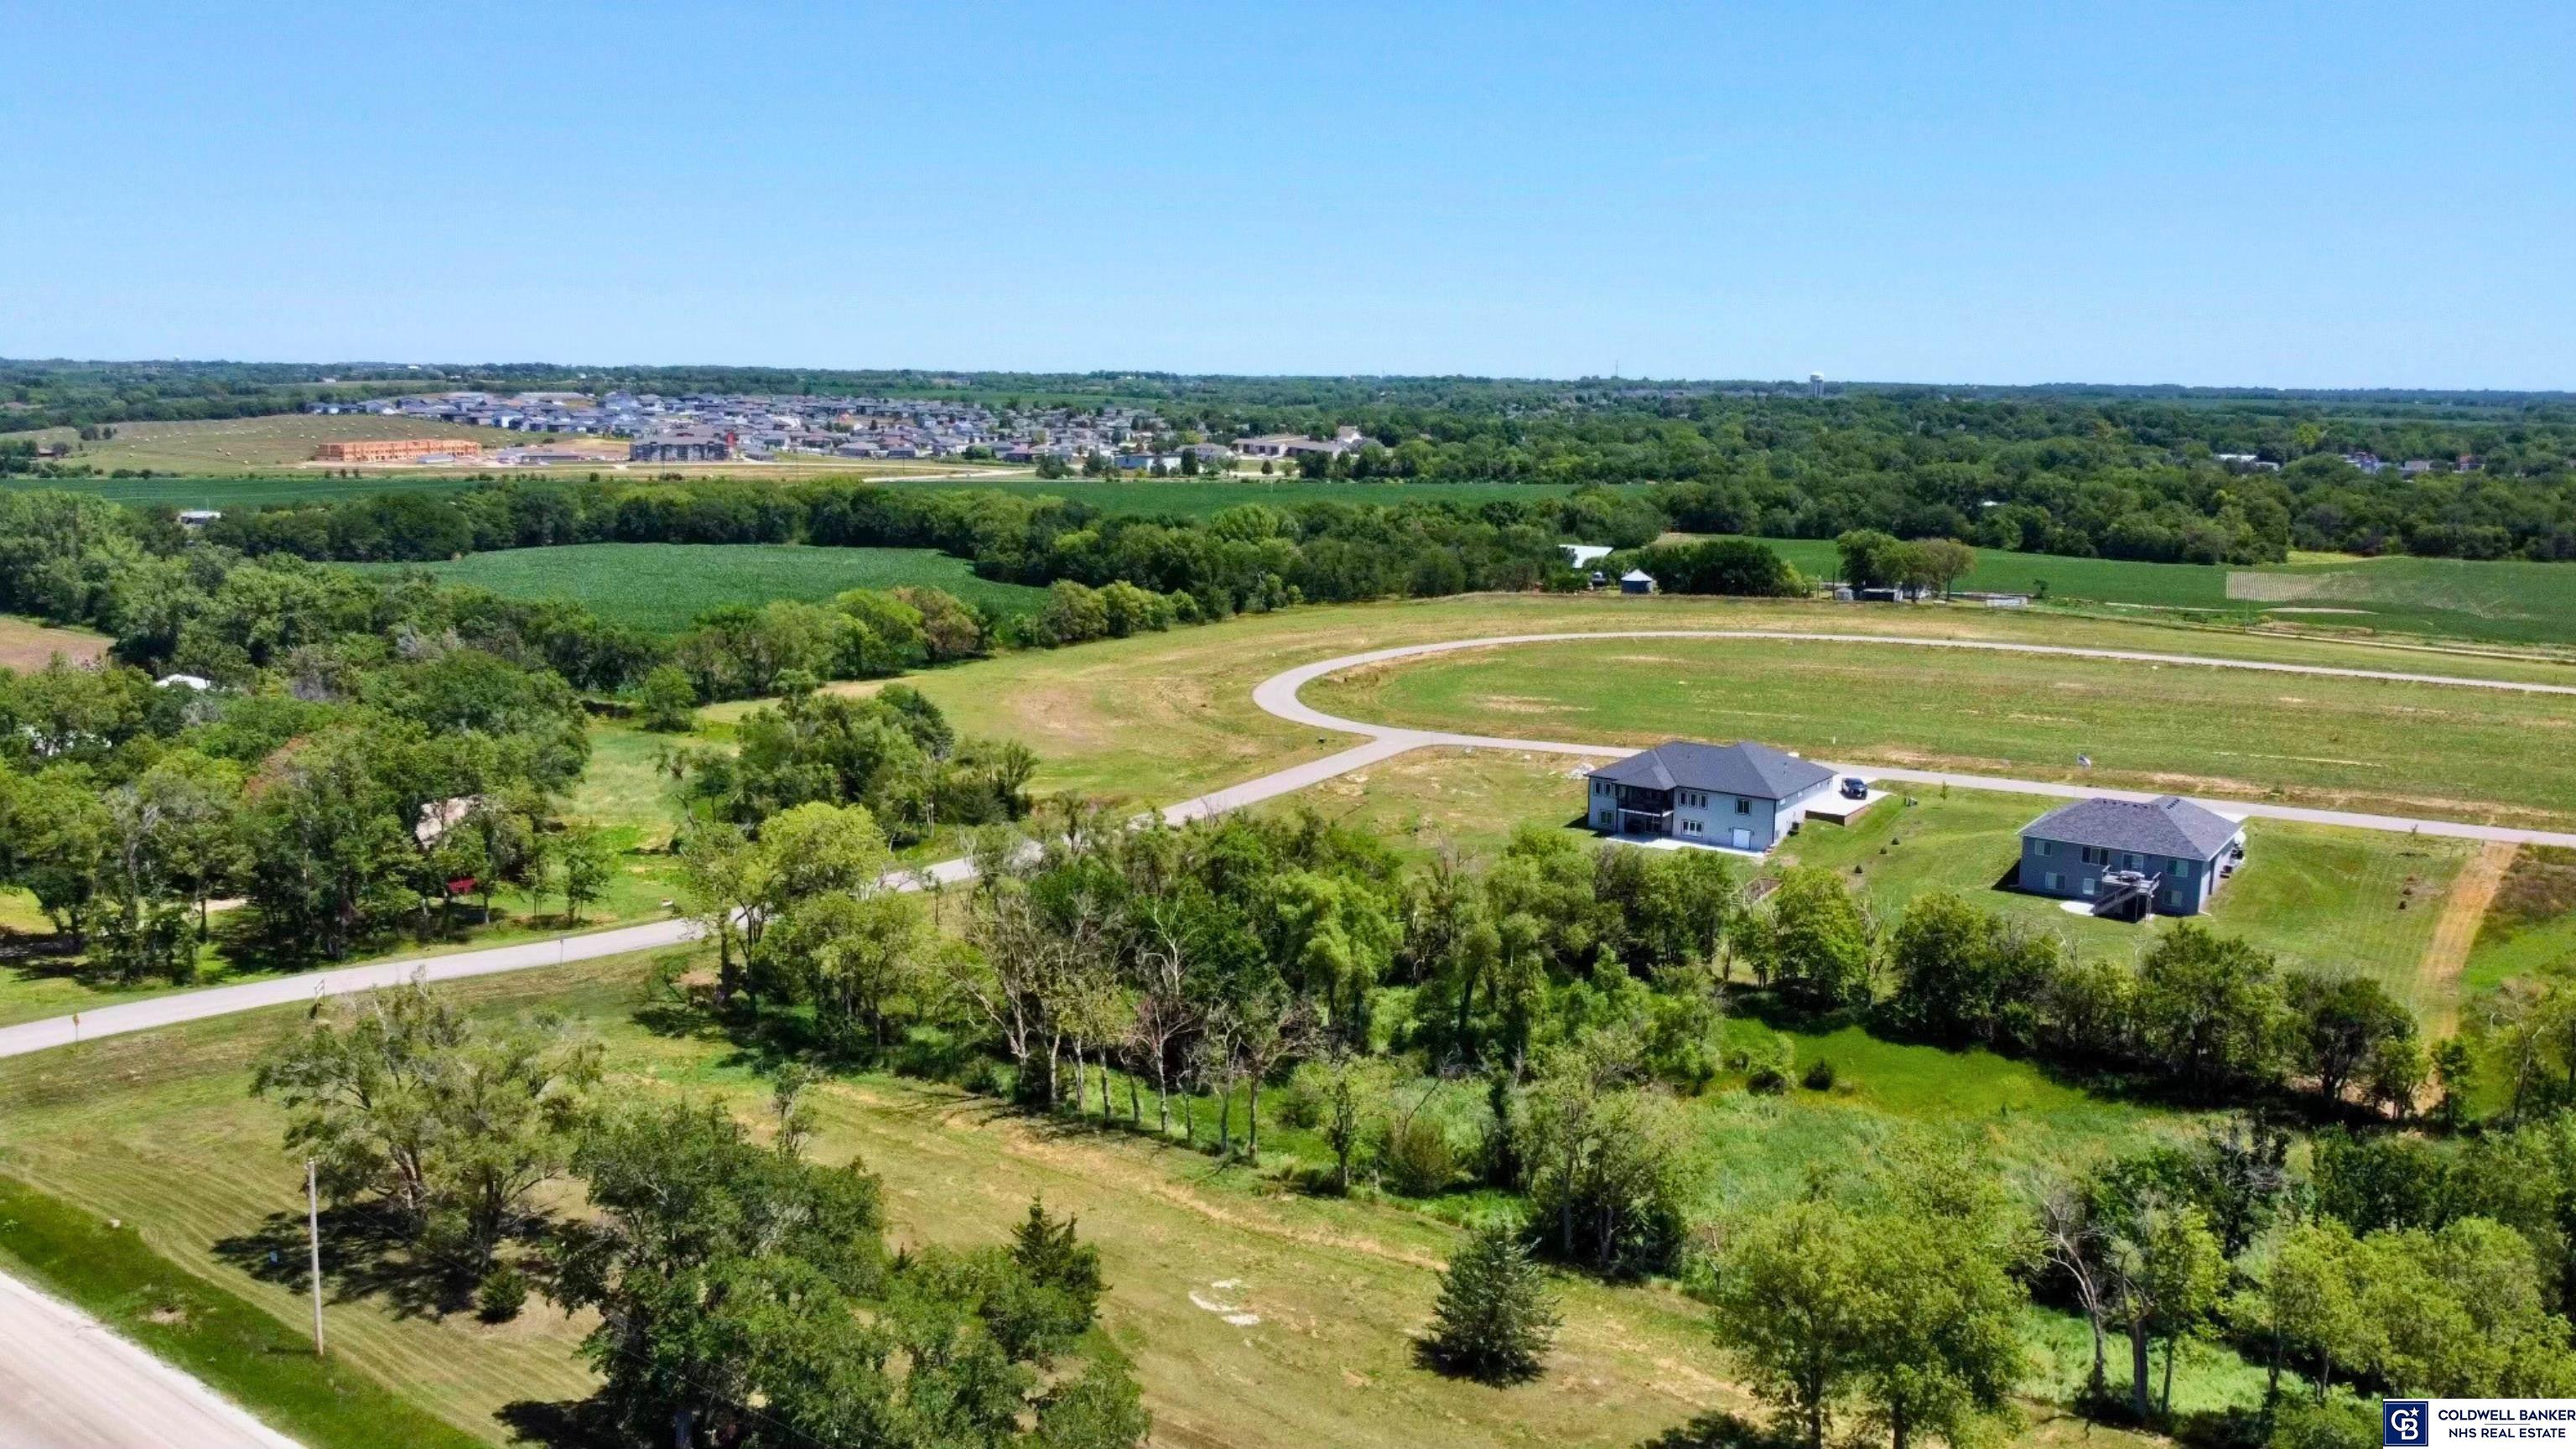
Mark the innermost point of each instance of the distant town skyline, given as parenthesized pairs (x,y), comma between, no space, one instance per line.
(2257,194)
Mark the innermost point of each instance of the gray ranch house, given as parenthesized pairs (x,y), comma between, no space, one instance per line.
(2165,856)
(1742,796)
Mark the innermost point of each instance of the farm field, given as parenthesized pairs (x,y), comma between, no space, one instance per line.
(279,441)
(664,586)
(201,491)
(28,644)
(160,1131)
(1161,717)
(1199,497)
(2339,743)
(2318,898)
(2500,601)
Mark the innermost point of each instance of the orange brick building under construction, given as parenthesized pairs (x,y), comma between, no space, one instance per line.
(393,450)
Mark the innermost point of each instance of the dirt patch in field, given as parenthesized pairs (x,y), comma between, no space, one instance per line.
(26,644)
(1518,704)
(2463,912)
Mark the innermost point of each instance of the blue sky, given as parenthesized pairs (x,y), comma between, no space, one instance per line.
(2309,194)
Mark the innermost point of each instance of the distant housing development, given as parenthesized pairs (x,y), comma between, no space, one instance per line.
(716,427)
(395,450)
(2164,856)
(1742,796)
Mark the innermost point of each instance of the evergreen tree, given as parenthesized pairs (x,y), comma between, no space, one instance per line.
(1496,1317)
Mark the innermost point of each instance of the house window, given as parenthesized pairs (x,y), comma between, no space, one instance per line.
(1743,807)
(2088,885)
(2055,881)
(2131,861)
(2096,855)
(2043,847)
(1690,827)
(2182,870)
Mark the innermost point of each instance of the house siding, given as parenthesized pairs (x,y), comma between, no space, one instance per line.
(2079,879)
(1765,822)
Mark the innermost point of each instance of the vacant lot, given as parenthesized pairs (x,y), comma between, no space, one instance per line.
(26,644)
(663,586)
(160,1131)
(2319,898)
(2346,743)
(249,445)
(2506,601)
(1162,717)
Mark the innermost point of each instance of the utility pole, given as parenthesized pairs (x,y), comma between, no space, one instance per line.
(313,1229)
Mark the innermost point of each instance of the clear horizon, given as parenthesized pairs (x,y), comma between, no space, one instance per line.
(2263,195)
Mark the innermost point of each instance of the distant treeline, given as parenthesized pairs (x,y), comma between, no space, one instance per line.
(2108,472)
(54,394)
(1249,556)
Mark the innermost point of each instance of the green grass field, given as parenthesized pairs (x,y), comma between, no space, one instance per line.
(2344,743)
(664,586)
(2509,602)
(2530,930)
(159,1131)
(1162,717)
(200,491)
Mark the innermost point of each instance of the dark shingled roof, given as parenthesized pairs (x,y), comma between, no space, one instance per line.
(2167,825)
(1758,772)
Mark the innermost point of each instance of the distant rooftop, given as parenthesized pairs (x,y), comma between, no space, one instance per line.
(2167,825)
(1744,768)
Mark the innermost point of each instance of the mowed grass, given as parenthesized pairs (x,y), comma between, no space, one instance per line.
(160,1131)
(1162,717)
(242,1352)
(2502,757)
(663,587)
(2502,601)
(27,644)
(2318,898)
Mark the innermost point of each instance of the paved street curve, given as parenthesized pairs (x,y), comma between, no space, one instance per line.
(1279,695)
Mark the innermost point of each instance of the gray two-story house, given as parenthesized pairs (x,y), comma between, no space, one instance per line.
(2169,850)
(1741,796)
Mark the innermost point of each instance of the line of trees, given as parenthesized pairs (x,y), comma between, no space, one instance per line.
(744,1294)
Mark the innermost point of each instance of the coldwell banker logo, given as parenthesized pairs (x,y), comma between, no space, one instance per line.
(2402,1423)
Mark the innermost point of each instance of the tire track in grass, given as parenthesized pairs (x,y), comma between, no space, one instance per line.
(2463,911)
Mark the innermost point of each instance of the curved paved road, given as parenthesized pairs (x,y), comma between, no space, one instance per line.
(96,1389)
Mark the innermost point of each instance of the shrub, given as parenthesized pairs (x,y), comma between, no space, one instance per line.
(1819,1077)
(1419,1158)
(1768,1067)
(501,1294)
